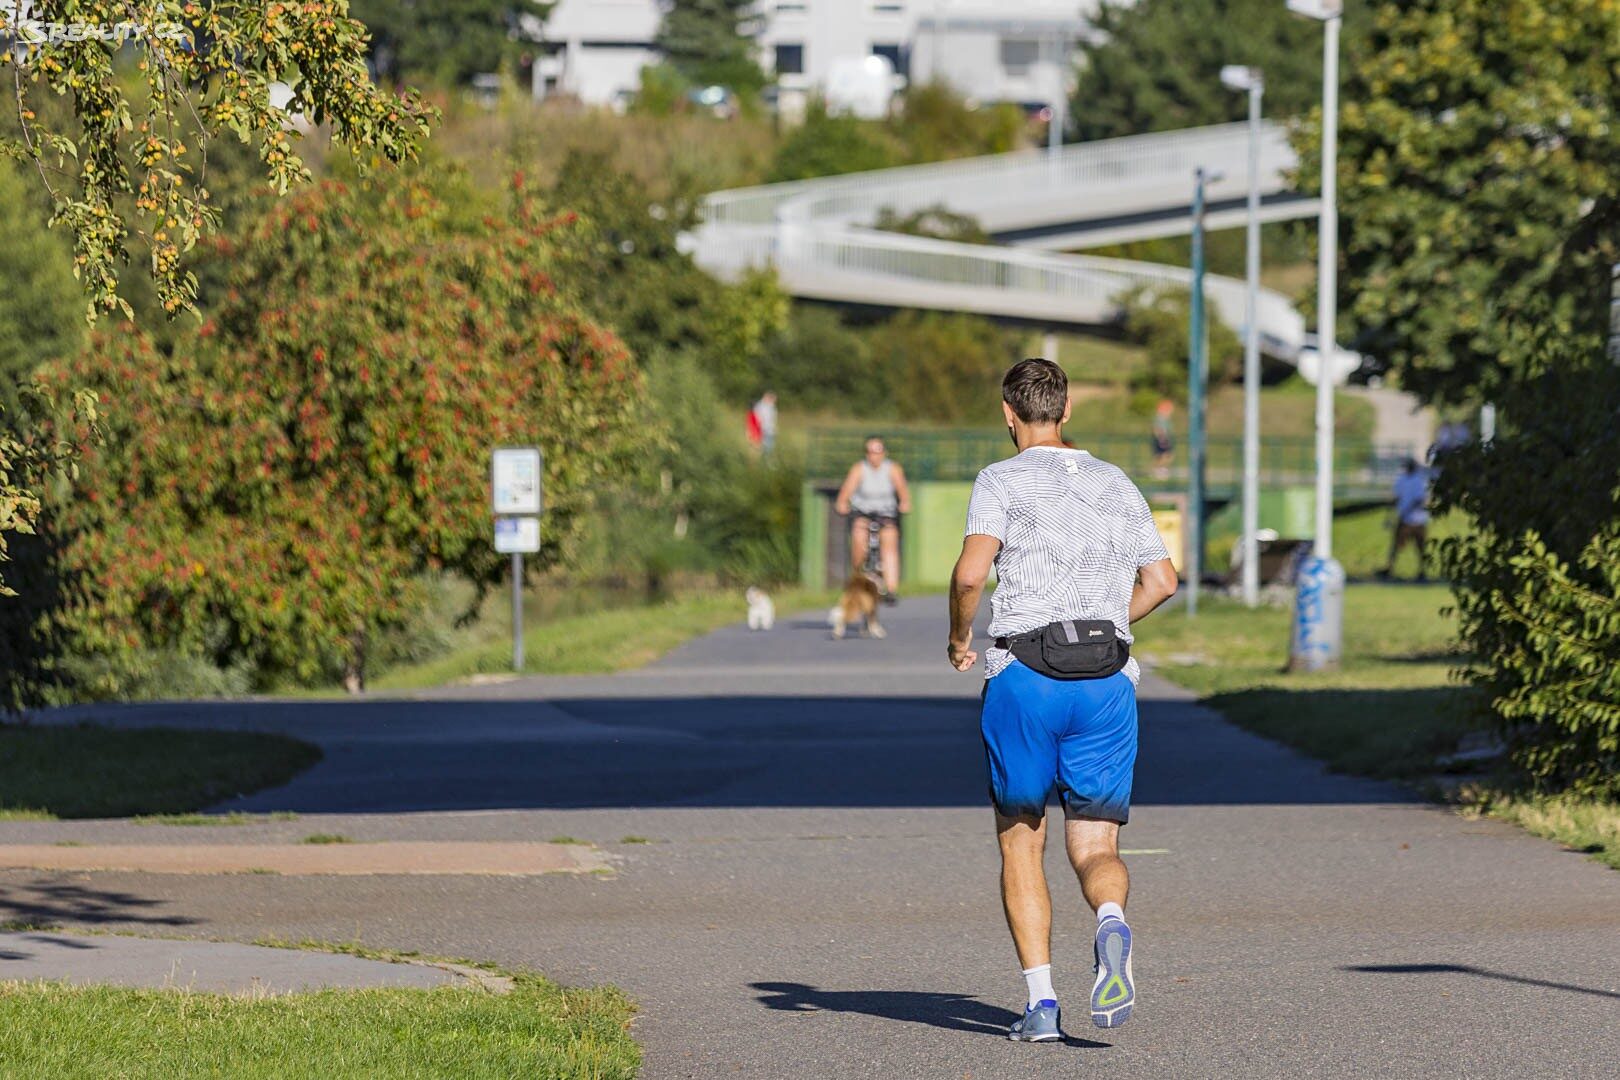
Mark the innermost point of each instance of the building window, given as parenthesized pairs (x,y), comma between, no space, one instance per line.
(1018,55)
(895,55)
(790,59)
(791,8)
(888,10)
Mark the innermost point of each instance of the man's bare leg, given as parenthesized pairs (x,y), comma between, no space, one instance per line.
(1094,853)
(857,544)
(1024,895)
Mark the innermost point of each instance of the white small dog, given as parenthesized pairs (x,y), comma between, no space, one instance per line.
(761,611)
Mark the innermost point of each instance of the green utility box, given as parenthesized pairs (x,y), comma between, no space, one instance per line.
(1289,510)
(930,536)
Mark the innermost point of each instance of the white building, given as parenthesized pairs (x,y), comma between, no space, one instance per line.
(990,50)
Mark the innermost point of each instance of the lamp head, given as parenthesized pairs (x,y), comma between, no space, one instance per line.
(1241,77)
(1317,9)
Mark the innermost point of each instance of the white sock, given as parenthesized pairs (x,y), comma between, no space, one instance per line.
(1039,982)
(1110,910)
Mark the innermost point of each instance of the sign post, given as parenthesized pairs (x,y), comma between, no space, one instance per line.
(515,496)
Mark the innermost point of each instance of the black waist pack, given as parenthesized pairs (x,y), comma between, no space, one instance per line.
(1072,649)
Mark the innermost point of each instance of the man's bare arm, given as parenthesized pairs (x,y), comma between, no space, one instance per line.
(1155,583)
(967,586)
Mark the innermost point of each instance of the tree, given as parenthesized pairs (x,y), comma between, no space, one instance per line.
(943,366)
(41,307)
(203,70)
(27,462)
(710,42)
(1159,322)
(270,492)
(1155,65)
(1476,141)
(817,362)
(650,291)
(448,41)
(1479,223)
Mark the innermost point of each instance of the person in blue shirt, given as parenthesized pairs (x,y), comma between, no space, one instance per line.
(1411,517)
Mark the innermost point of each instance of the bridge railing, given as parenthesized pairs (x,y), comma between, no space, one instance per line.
(970,184)
(1073,287)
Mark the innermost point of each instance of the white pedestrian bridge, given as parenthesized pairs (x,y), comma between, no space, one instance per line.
(819,235)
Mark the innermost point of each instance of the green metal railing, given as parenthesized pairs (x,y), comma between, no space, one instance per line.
(1361,467)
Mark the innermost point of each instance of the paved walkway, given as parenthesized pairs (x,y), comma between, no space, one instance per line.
(509,858)
(818,894)
(203,965)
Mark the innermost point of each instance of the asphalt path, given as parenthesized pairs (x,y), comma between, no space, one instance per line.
(805,877)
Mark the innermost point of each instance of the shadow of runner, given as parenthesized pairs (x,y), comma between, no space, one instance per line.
(1484,973)
(953,1012)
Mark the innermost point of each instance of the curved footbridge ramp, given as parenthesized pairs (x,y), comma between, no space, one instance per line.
(819,235)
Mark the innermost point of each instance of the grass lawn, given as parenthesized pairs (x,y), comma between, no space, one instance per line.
(539,1029)
(1360,540)
(1389,711)
(588,644)
(89,771)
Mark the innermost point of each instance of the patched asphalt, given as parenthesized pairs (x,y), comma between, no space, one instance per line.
(816,893)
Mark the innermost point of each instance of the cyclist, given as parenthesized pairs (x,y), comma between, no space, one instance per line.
(875,492)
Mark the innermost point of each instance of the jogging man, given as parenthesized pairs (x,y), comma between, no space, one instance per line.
(1073,545)
(875,491)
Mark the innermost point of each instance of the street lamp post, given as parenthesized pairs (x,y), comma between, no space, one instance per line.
(1238,77)
(1197,361)
(1319,603)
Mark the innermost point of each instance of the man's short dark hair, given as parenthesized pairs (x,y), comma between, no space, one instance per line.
(1037,390)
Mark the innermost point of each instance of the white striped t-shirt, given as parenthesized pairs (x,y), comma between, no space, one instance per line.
(1073,532)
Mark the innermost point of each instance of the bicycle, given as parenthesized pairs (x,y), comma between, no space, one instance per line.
(872,567)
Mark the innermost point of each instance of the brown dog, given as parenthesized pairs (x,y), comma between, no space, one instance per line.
(859,603)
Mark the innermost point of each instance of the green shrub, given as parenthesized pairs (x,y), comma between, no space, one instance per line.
(944,366)
(1538,582)
(147,675)
(727,510)
(817,362)
(662,91)
(937,221)
(935,123)
(828,145)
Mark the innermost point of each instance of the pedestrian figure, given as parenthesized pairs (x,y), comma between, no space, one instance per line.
(1077,560)
(764,418)
(1411,517)
(1163,446)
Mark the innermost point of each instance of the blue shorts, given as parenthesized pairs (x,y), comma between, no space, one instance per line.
(1078,735)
